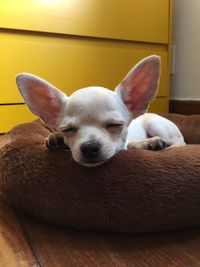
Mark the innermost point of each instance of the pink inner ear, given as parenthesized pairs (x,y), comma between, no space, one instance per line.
(42,98)
(140,86)
(43,102)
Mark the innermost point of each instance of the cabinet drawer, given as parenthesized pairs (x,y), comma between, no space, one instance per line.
(144,20)
(159,105)
(13,115)
(71,63)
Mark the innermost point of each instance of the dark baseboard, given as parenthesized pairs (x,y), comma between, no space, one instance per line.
(185,107)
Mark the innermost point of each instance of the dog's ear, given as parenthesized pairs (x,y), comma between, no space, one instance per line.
(42,98)
(139,87)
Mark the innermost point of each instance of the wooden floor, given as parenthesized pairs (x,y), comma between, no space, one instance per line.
(25,241)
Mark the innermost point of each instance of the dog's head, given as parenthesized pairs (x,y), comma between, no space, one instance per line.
(93,120)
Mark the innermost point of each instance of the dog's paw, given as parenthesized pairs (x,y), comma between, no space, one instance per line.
(156,143)
(55,141)
(153,143)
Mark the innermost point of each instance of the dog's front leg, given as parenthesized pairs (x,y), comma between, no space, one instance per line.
(153,143)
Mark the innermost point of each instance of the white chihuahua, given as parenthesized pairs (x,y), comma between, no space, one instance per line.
(96,122)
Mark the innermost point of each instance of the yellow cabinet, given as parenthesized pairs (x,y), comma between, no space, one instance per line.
(70,63)
(11,115)
(143,20)
(75,43)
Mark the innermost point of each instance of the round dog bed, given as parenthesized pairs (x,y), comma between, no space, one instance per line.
(135,191)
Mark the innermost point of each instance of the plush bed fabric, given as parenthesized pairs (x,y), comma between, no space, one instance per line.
(136,191)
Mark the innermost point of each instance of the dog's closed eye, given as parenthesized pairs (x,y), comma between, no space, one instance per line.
(114,127)
(69,130)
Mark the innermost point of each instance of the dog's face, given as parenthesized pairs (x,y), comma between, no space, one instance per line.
(94,125)
(94,120)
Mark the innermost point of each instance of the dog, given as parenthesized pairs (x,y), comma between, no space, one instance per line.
(95,122)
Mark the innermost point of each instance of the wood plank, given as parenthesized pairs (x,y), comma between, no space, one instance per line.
(58,246)
(14,249)
(185,107)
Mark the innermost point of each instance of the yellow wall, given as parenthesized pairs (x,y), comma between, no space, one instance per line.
(75,43)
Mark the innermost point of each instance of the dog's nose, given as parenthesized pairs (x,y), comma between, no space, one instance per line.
(91,149)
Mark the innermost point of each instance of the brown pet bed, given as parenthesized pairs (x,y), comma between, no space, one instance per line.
(136,191)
